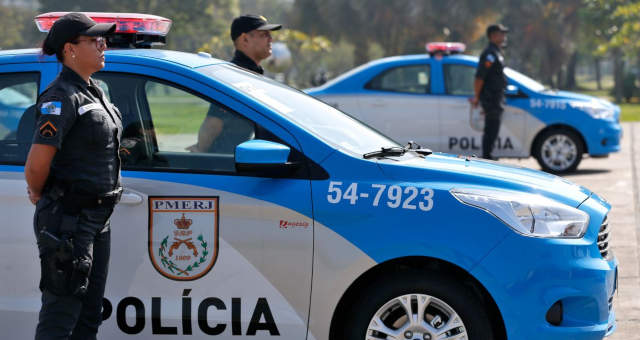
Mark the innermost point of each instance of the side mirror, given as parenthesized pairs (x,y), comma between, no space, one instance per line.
(512,91)
(264,158)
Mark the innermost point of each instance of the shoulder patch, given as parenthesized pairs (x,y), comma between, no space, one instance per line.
(51,108)
(48,130)
(491,58)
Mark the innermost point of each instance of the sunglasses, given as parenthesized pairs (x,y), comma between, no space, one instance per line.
(99,42)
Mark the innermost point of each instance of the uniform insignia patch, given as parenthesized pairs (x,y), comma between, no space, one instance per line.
(491,58)
(51,108)
(48,130)
(183,236)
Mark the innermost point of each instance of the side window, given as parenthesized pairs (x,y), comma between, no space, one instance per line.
(167,127)
(18,94)
(458,79)
(405,79)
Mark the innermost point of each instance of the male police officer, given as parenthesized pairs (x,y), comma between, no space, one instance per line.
(252,39)
(489,86)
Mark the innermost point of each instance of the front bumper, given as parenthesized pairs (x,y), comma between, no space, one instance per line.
(526,276)
(604,138)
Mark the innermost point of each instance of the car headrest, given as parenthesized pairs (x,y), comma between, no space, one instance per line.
(27,125)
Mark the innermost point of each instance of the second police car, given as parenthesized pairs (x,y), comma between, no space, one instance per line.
(314,226)
(424,98)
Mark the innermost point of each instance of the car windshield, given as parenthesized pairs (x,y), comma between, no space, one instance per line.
(323,121)
(523,80)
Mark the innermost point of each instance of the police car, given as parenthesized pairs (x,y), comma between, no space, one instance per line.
(314,226)
(424,98)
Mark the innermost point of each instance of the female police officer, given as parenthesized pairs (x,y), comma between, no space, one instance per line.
(73,177)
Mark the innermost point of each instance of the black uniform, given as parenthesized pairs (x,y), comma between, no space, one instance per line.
(241,59)
(72,217)
(491,70)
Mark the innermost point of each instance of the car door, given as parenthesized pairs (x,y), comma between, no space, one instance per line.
(20,84)
(458,134)
(398,103)
(199,248)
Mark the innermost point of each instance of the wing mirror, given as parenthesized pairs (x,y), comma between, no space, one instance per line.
(264,158)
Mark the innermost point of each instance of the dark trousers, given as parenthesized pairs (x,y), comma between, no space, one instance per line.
(69,316)
(492,118)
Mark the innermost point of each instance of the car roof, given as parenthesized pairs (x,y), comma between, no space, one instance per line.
(190,60)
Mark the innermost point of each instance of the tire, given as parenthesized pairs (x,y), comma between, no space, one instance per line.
(558,151)
(380,306)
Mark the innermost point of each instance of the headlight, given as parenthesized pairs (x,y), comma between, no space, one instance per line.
(594,110)
(528,214)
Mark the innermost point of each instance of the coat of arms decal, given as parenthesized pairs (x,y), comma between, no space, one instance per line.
(183,236)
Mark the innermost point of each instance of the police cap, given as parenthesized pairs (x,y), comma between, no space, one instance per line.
(69,27)
(249,22)
(496,28)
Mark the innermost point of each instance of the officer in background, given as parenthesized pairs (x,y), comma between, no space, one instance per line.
(251,35)
(489,86)
(73,178)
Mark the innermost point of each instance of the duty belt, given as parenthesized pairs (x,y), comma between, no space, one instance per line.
(74,200)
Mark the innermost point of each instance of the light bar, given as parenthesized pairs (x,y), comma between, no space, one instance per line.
(446,47)
(126,23)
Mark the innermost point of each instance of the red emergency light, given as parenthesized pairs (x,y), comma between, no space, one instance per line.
(445,47)
(126,23)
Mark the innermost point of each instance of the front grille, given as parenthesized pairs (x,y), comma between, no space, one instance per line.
(603,238)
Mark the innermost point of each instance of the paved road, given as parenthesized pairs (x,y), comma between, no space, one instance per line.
(616,179)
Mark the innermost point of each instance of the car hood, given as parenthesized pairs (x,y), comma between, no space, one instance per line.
(578,97)
(459,172)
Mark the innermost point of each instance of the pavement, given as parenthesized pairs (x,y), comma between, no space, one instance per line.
(616,178)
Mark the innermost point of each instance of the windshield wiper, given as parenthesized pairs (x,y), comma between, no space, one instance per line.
(390,151)
(415,147)
(398,151)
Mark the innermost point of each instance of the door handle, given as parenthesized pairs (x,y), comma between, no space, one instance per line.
(130,198)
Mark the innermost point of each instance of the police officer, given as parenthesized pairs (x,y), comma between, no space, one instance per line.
(73,177)
(489,86)
(252,40)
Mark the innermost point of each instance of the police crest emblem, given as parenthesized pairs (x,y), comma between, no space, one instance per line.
(183,236)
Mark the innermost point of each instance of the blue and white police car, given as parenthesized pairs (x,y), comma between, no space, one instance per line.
(313,226)
(424,98)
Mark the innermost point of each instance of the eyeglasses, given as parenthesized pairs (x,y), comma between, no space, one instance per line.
(99,42)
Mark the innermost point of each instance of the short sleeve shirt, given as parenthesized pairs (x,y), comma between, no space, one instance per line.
(235,130)
(75,117)
(491,70)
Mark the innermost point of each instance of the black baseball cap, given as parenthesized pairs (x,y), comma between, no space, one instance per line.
(249,22)
(69,27)
(496,28)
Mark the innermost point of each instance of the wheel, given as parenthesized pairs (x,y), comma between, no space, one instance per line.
(416,306)
(559,151)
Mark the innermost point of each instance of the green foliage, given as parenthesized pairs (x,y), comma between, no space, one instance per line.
(18,28)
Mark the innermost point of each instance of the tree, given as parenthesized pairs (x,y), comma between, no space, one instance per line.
(18,28)
(542,36)
(399,27)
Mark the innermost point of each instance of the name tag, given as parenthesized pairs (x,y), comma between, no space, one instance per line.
(86,108)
